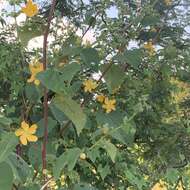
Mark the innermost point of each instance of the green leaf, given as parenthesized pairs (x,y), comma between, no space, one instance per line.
(51,124)
(84,187)
(53,80)
(34,153)
(133,176)
(58,114)
(67,51)
(56,80)
(32,28)
(114,77)
(4,120)
(172,175)
(7,145)
(114,119)
(132,57)
(90,56)
(72,110)
(31,187)
(171,52)
(149,20)
(69,70)
(104,171)
(6,176)
(93,153)
(21,170)
(125,132)
(32,93)
(68,158)
(110,148)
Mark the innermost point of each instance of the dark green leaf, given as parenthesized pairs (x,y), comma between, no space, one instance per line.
(132,57)
(114,119)
(4,120)
(149,20)
(51,124)
(89,56)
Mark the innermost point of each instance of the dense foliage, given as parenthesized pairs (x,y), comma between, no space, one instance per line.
(118,104)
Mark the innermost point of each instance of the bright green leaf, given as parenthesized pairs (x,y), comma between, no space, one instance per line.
(109,148)
(104,171)
(114,77)
(69,70)
(20,168)
(53,80)
(6,176)
(7,145)
(72,110)
(125,132)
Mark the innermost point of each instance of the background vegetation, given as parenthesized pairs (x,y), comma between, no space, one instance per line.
(118,106)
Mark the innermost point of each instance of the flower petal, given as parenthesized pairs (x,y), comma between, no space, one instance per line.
(24,125)
(106,101)
(23,139)
(32,129)
(112,101)
(19,132)
(32,138)
(31,79)
(36,82)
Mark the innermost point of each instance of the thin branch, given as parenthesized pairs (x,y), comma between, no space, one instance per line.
(45,42)
(90,25)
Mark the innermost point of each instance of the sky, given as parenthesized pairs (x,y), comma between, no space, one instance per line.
(111,12)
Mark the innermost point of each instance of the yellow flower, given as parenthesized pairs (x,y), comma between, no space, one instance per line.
(26,133)
(89,85)
(109,105)
(161,185)
(168,2)
(100,98)
(180,186)
(150,48)
(62,180)
(52,184)
(31,9)
(35,68)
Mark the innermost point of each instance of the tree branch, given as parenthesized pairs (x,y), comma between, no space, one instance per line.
(45,42)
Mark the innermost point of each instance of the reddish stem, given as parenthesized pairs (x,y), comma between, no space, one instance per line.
(45,104)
